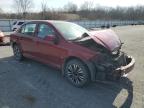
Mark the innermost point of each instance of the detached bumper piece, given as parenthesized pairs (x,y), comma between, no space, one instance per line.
(124,70)
(113,71)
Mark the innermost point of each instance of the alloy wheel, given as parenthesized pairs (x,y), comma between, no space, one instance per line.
(75,74)
(17,52)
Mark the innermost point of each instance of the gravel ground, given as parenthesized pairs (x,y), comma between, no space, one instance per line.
(30,84)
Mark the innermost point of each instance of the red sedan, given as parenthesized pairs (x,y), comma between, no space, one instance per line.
(82,55)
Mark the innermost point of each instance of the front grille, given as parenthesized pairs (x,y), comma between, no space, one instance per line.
(120,60)
(110,62)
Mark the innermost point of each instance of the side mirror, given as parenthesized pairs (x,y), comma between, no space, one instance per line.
(52,38)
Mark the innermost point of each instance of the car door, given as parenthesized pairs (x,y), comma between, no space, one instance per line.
(27,39)
(47,50)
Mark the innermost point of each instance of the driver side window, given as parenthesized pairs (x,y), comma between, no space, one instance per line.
(45,30)
(28,29)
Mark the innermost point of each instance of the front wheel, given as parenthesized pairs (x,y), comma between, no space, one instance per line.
(17,53)
(77,73)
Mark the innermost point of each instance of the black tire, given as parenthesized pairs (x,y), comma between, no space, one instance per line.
(76,73)
(17,52)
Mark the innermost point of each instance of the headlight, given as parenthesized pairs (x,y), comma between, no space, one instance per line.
(115,52)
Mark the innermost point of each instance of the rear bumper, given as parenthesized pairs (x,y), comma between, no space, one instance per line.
(124,70)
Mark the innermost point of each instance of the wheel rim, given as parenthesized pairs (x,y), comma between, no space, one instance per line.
(75,73)
(17,53)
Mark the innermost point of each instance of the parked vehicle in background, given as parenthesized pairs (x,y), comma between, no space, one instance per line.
(82,55)
(4,39)
(17,24)
(1,36)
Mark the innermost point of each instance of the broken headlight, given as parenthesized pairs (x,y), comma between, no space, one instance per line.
(115,52)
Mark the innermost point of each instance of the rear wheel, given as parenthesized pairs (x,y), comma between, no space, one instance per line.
(17,53)
(77,73)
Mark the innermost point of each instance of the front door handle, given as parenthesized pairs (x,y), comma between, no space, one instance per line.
(20,38)
(36,41)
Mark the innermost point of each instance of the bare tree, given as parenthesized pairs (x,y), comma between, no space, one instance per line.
(1,11)
(70,7)
(22,6)
(44,9)
(87,6)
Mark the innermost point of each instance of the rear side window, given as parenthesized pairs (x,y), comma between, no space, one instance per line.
(20,23)
(28,29)
(15,23)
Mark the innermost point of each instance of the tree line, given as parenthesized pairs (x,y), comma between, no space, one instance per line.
(70,11)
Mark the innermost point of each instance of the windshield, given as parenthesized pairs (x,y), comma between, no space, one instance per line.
(70,31)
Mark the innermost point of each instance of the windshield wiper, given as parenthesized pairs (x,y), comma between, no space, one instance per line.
(81,37)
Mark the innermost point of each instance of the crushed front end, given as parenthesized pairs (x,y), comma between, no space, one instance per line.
(113,66)
(110,62)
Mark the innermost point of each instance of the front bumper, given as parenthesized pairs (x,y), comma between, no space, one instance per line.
(111,70)
(124,70)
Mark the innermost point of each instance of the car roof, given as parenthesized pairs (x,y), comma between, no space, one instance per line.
(49,21)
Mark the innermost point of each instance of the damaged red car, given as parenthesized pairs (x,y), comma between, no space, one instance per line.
(82,55)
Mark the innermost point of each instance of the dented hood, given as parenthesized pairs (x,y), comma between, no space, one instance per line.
(106,38)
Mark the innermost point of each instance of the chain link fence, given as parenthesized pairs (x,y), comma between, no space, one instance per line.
(6,24)
(106,24)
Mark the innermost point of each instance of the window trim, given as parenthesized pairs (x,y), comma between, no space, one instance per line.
(20,23)
(20,30)
(38,27)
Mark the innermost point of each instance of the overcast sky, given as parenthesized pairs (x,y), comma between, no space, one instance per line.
(7,5)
